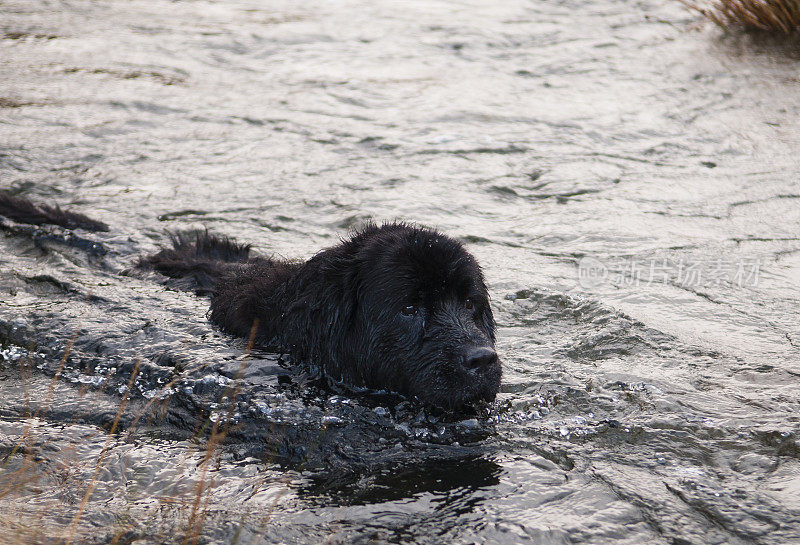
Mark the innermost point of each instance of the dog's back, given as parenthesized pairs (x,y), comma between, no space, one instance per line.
(197,260)
(220,267)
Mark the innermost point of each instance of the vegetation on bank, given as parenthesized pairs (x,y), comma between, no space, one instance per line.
(781,16)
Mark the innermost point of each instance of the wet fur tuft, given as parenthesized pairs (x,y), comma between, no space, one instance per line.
(197,260)
(22,210)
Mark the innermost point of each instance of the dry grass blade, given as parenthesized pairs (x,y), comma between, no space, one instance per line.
(113,429)
(216,438)
(781,16)
(20,477)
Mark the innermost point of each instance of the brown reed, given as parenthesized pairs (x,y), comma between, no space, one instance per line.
(779,16)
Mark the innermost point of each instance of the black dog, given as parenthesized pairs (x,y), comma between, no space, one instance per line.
(396,307)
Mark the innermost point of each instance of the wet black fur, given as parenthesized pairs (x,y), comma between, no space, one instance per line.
(22,210)
(394,307)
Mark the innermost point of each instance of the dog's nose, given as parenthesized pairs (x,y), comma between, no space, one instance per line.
(479,358)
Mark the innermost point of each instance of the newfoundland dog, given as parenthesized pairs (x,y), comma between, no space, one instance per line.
(395,307)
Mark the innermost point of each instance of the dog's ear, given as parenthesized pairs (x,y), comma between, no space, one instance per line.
(339,299)
(344,304)
(332,329)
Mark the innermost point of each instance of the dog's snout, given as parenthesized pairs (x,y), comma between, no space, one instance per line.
(480,358)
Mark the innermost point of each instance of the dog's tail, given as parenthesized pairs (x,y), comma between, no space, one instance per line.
(197,260)
(22,210)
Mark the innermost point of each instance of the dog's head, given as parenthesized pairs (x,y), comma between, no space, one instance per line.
(420,323)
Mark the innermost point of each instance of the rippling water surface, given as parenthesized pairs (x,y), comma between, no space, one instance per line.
(629,184)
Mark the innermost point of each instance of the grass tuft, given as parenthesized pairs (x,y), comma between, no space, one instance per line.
(780,16)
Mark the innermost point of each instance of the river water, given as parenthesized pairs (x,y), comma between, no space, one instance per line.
(628,181)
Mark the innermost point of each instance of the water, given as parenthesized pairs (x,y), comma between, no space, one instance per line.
(629,184)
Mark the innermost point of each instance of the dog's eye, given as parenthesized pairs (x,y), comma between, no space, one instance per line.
(410,310)
(469,303)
